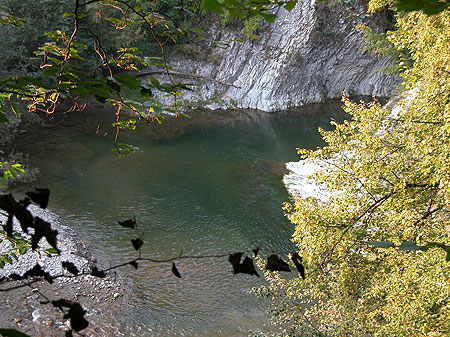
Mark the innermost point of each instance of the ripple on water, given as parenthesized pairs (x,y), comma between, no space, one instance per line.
(211,190)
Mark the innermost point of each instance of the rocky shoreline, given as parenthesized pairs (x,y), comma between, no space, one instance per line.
(24,308)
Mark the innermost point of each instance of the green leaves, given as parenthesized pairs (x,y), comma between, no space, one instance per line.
(10,171)
(128,124)
(125,149)
(155,82)
(387,172)
(290,5)
(429,7)
(6,18)
(129,81)
(269,17)
(146,92)
(52,251)
(213,6)
(234,8)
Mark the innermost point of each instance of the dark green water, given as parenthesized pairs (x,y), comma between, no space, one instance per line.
(211,189)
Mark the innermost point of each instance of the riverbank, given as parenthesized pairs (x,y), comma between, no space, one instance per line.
(24,309)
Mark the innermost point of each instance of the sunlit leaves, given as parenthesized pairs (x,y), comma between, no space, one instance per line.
(378,245)
(19,244)
(6,18)
(128,124)
(10,171)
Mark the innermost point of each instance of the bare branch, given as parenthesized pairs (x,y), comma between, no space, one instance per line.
(177,73)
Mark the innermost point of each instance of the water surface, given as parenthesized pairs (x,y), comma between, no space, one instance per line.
(207,188)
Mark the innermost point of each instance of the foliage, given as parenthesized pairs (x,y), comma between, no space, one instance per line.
(251,26)
(251,8)
(100,21)
(428,7)
(87,53)
(9,171)
(376,250)
(380,45)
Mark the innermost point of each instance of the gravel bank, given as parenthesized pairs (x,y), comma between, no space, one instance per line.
(22,308)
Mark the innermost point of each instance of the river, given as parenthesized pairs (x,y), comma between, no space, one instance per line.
(199,188)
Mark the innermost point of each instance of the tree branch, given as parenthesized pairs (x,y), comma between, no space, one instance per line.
(369,209)
(177,73)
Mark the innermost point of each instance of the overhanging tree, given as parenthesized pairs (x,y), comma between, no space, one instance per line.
(378,249)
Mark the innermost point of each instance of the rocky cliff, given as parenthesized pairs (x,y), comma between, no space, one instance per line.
(308,55)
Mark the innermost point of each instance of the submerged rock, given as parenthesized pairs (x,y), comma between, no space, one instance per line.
(300,183)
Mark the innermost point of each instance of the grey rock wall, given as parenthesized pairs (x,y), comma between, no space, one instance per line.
(308,55)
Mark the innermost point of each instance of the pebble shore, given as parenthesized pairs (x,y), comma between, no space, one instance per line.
(24,309)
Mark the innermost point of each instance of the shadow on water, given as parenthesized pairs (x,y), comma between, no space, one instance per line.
(207,185)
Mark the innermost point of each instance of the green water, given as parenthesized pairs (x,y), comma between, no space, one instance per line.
(215,187)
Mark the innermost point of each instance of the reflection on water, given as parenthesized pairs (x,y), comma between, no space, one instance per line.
(215,187)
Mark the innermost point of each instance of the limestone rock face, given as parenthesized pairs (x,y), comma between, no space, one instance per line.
(308,55)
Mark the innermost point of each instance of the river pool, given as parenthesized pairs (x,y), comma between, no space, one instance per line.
(198,187)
